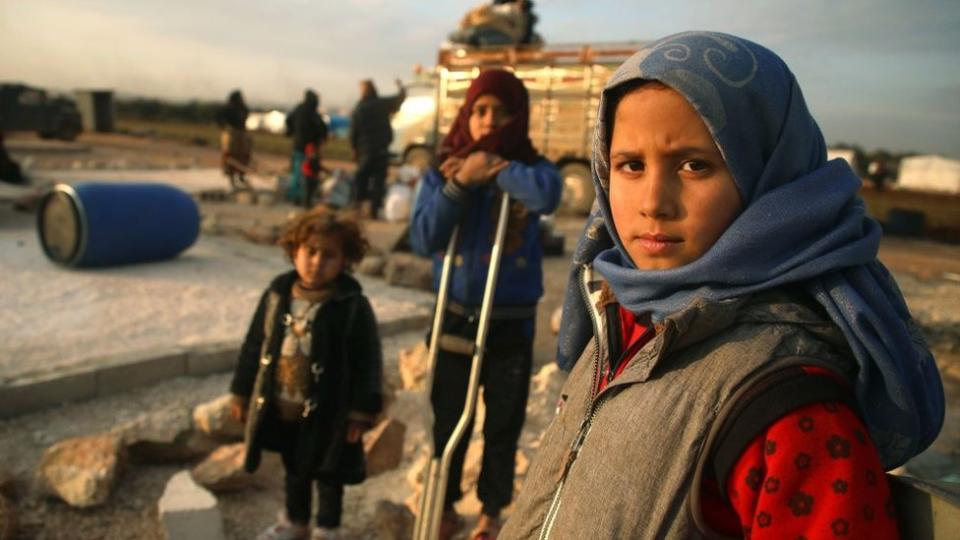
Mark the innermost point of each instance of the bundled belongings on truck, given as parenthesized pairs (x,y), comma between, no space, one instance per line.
(502,22)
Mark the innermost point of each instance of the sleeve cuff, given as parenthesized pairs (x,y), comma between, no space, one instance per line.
(454,191)
(361,417)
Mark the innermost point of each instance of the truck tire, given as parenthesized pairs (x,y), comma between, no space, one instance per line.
(419,157)
(578,195)
(68,131)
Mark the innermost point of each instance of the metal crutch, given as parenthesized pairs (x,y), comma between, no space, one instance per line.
(427,526)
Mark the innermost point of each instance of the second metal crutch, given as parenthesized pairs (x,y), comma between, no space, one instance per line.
(427,526)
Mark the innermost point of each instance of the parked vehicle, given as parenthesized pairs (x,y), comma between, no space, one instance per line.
(564,82)
(25,108)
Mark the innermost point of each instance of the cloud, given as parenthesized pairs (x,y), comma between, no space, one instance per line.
(187,50)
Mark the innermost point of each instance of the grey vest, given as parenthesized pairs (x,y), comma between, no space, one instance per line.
(627,463)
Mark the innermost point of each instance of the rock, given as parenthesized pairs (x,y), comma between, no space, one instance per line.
(547,379)
(29,203)
(222,471)
(8,485)
(263,234)
(522,464)
(407,270)
(392,521)
(8,518)
(165,436)
(417,471)
(555,318)
(189,512)
(81,471)
(372,265)
(472,462)
(213,418)
(383,446)
(211,225)
(245,197)
(413,366)
(266,198)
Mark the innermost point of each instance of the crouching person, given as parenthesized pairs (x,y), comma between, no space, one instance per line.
(308,380)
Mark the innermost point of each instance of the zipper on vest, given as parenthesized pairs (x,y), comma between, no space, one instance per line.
(595,322)
(552,512)
(572,454)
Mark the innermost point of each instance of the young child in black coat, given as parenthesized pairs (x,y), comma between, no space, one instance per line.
(308,380)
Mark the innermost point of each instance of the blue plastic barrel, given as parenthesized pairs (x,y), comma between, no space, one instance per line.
(104,224)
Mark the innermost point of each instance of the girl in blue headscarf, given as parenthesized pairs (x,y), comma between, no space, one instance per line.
(741,363)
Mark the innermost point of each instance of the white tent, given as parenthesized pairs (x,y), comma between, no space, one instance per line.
(847,155)
(930,173)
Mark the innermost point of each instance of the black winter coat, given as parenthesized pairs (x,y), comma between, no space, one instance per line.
(348,365)
(370,130)
(306,126)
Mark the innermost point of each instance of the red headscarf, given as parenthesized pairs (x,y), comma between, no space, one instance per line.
(511,141)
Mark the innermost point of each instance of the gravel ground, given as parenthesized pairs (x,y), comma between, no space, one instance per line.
(131,511)
(928,273)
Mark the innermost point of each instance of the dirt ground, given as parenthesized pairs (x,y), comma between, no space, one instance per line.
(928,273)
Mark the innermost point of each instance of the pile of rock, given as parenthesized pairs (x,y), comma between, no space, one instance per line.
(83,471)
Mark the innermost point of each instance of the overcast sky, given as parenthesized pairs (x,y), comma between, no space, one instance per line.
(880,73)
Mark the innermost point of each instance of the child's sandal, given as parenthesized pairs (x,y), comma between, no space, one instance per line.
(283,529)
(487,528)
(450,524)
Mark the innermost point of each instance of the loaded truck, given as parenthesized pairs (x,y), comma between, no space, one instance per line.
(564,82)
(25,108)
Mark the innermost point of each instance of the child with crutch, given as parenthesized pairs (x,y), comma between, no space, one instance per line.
(742,364)
(487,155)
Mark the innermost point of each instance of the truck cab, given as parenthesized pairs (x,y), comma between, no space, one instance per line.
(25,108)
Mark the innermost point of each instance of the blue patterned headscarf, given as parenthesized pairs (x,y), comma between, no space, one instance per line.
(802,222)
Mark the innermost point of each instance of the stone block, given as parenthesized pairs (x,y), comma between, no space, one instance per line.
(34,394)
(142,368)
(212,358)
(189,512)
(383,446)
(372,265)
(407,270)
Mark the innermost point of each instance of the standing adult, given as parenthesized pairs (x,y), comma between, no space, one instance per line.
(236,146)
(370,137)
(309,132)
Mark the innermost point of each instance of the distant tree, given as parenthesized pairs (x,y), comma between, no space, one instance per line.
(154,109)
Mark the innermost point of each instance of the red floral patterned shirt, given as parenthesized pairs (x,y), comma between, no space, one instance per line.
(813,474)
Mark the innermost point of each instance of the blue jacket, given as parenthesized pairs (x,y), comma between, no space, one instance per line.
(442,205)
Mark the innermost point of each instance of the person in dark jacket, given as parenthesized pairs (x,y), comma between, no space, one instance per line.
(487,154)
(309,132)
(370,137)
(236,146)
(9,169)
(308,379)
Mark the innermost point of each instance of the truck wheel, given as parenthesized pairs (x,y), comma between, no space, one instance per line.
(578,195)
(418,157)
(68,131)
